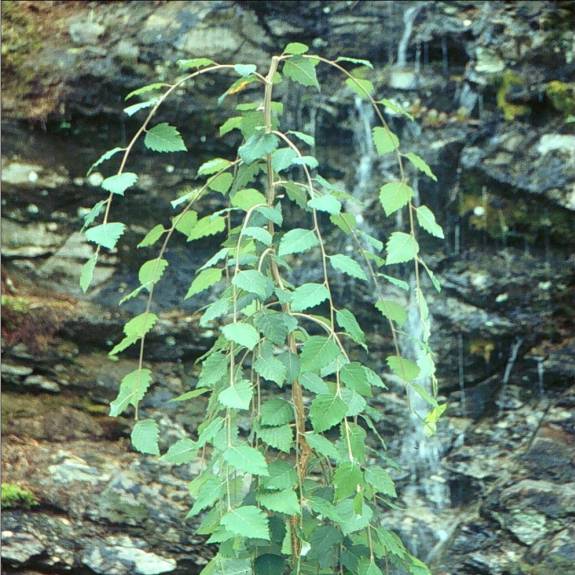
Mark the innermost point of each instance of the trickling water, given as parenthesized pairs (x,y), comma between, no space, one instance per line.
(364,141)
(460,372)
(421,455)
(541,376)
(508,369)
(409,17)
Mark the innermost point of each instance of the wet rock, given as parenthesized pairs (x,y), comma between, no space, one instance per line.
(29,241)
(86,32)
(13,374)
(125,556)
(17,548)
(41,383)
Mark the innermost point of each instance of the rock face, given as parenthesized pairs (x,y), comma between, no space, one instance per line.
(491,87)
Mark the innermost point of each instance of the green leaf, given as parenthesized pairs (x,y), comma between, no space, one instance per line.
(280,438)
(271,368)
(296,48)
(354,376)
(346,479)
(308,295)
(403,368)
(394,196)
(208,432)
(385,141)
(194,63)
(281,501)
(268,564)
(245,69)
(353,521)
(432,418)
(207,226)
(185,222)
(354,401)
(106,235)
(313,382)
(183,451)
(132,390)
(325,203)
(221,182)
(219,256)
(135,108)
(305,138)
(104,158)
(276,412)
(271,214)
(367,567)
(135,329)
(220,565)
(231,124)
(253,281)
(248,198)
(247,521)
(296,193)
(392,310)
(275,325)
(302,71)
(145,89)
(145,436)
(396,282)
(282,475)
(151,272)
(242,334)
(396,108)
(213,166)
(245,458)
(297,241)
(87,273)
(318,352)
(357,440)
(322,445)
(348,266)
(308,161)
(164,138)
(204,280)
(283,159)
(192,394)
(292,363)
(426,220)
(152,236)
(94,212)
(238,396)
(259,234)
(257,146)
(345,222)
(380,480)
(419,163)
(360,86)
(357,61)
(401,247)
(348,322)
(326,411)
(206,490)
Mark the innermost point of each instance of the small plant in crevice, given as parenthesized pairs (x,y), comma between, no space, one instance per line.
(301,491)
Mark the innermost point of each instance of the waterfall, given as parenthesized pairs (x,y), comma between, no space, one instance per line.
(409,17)
(420,452)
(363,189)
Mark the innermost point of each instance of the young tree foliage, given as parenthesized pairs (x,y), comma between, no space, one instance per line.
(300,492)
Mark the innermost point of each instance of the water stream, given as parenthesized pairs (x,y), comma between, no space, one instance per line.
(409,17)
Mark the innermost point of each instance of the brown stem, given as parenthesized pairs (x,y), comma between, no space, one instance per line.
(303,450)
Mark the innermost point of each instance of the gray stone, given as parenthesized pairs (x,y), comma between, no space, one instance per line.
(42,383)
(125,556)
(19,547)
(86,32)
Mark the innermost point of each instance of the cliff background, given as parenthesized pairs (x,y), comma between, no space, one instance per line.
(492,87)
